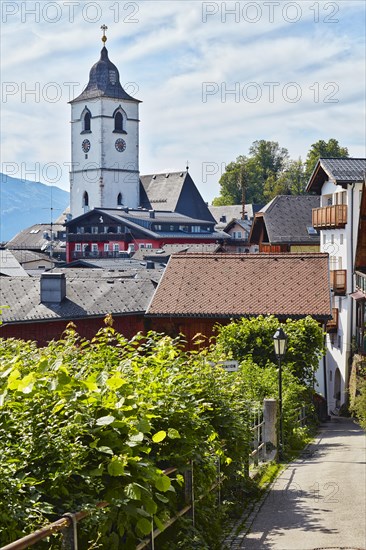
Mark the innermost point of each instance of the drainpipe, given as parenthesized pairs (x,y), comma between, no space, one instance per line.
(349,358)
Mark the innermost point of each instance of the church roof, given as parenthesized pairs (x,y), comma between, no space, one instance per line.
(104,81)
(175,192)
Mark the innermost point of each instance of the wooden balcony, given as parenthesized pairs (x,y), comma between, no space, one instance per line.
(338,281)
(330,217)
(332,325)
(361,281)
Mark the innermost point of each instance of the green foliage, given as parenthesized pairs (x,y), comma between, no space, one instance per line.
(254,337)
(323,149)
(88,421)
(266,159)
(359,404)
(268,171)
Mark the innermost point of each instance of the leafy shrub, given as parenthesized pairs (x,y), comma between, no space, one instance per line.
(88,421)
(254,337)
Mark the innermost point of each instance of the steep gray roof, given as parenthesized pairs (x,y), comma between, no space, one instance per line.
(9,265)
(104,81)
(174,191)
(85,297)
(34,238)
(342,171)
(287,218)
(345,169)
(232,212)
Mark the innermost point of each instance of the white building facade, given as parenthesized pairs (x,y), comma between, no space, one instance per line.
(339,184)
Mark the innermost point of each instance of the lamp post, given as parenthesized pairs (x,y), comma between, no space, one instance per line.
(280,343)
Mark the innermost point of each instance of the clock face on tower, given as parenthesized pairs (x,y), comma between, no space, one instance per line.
(120,145)
(85,145)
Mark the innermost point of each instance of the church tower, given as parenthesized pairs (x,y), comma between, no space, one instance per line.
(104,142)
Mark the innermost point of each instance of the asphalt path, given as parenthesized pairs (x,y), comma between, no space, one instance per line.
(318,502)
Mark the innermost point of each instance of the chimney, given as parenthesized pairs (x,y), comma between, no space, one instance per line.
(53,288)
(152,213)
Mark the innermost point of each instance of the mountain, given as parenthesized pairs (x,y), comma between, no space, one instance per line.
(24,203)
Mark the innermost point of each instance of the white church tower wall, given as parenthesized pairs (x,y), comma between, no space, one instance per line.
(104,143)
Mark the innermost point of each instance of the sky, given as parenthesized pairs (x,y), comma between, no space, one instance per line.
(213,77)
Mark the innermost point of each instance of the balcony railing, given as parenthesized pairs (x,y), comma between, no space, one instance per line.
(330,216)
(338,281)
(332,324)
(361,281)
(91,254)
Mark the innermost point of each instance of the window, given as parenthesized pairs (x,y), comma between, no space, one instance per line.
(341,198)
(339,262)
(118,122)
(85,199)
(195,229)
(149,245)
(330,376)
(341,238)
(142,245)
(79,230)
(87,118)
(119,199)
(94,247)
(106,247)
(339,342)
(236,234)
(116,247)
(332,263)
(324,238)
(77,247)
(332,238)
(94,229)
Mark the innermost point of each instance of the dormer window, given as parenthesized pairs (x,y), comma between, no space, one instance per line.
(86,121)
(119,121)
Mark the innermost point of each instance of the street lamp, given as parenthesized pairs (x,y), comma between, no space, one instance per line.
(280,343)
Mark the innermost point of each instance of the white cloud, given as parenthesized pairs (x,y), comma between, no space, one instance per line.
(170,52)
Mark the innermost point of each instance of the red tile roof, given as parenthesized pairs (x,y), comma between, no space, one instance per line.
(236,285)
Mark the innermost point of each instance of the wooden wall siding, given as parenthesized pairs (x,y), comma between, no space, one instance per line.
(330,216)
(190,327)
(273,248)
(42,333)
(338,281)
(332,325)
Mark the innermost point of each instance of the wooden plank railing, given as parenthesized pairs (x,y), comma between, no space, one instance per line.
(329,216)
(338,281)
(332,324)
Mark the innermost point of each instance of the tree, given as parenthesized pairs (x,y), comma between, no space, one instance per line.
(290,182)
(268,171)
(323,149)
(266,159)
(253,338)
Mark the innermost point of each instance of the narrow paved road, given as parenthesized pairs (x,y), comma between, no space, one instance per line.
(319,500)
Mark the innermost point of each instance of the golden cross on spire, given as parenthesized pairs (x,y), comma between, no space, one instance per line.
(104,28)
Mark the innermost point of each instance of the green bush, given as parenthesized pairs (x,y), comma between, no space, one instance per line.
(359,404)
(88,421)
(254,337)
